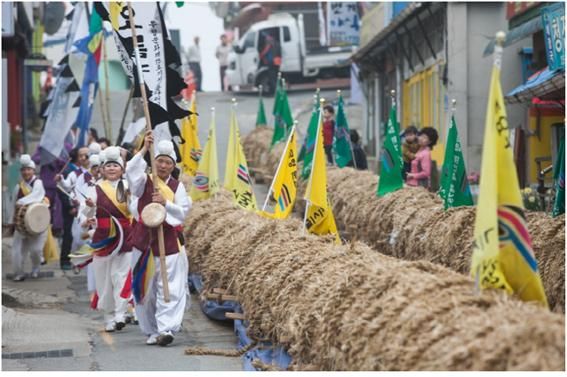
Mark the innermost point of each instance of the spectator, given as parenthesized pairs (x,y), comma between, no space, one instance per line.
(222,55)
(104,143)
(359,155)
(410,146)
(421,165)
(328,131)
(194,59)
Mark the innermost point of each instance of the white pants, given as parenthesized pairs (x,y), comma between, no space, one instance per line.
(111,273)
(156,316)
(77,231)
(22,245)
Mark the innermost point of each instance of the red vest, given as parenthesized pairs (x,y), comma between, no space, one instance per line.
(142,236)
(105,208)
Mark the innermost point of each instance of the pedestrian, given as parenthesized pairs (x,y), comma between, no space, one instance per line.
(358,152)
(108,200)
(410,146)
(222,55)
(69,204)
(421,166)
(28,191)
(328,131)
(194,60)
(158,319)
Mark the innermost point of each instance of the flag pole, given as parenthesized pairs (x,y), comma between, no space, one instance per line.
(106,87)
(321,101)
(121,131)
(349,141)
(279,165)
(161,243)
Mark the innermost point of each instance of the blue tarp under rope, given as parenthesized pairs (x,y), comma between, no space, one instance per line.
(264,351)
(212,308)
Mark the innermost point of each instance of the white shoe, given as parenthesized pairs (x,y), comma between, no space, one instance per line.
(110,326)
(152,340)
(35,273)
(165,338)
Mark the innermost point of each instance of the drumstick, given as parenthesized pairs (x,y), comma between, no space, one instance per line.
(64,191)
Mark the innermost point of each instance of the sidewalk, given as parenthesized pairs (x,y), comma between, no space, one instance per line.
(48,325)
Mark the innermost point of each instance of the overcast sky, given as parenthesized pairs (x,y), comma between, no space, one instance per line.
(198,19)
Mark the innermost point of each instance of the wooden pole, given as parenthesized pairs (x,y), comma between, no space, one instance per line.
(121,131)
(161,243)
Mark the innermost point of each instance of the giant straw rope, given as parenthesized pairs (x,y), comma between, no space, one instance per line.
(351,308)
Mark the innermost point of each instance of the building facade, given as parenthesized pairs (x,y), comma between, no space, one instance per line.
(432,53)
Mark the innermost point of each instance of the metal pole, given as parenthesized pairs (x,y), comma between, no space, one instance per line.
(161,243)
(348,136)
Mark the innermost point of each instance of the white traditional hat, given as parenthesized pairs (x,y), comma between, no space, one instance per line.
(94,148)
(94,160)
(165,148)
(102,156)
(26,161)
(112,154)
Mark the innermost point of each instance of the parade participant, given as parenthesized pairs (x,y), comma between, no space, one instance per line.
(104,143)
(88,178)
(94,148)
(358,152)
(82,164)
(29,191)
(159,319)
(111,258)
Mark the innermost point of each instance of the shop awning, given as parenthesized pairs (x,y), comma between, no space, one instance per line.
(544,84)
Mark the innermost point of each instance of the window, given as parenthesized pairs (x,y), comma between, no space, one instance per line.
(286,34)
(249,40)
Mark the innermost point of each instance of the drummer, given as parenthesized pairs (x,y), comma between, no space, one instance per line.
(29,191)
(111,264)
(158,319)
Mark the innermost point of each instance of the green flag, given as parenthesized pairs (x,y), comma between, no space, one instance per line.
(559,176)
(342,149)
(261,116)
(309,144)
(283,120)
(277,95)
(391,160)
(303,149)
(454,189)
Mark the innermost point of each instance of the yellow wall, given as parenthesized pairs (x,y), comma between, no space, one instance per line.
(540,147)
(422,106)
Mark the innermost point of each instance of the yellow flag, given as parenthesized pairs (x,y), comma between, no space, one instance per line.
(191,149)
(502,252)
(206,180)
(319,218)
(284,185)
(236,176)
